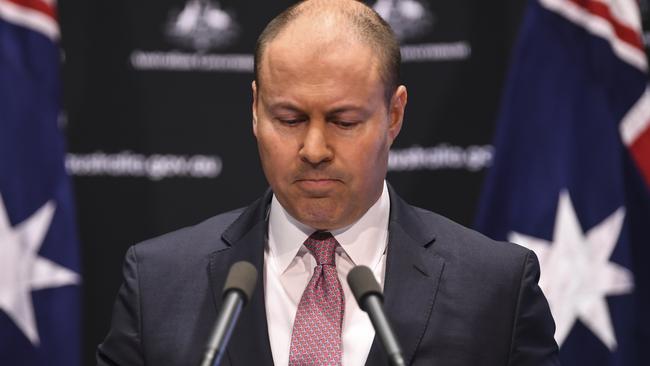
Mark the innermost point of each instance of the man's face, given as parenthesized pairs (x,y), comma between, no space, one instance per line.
(323,128)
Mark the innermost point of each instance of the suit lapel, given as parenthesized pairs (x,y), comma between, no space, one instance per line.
(246,238)
(412,277)
(411,281)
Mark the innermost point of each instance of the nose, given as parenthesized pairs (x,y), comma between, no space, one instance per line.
(315,149)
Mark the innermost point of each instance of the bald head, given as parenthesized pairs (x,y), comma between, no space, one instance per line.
(318,25)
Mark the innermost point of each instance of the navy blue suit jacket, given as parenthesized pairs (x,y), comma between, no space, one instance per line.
(454,296)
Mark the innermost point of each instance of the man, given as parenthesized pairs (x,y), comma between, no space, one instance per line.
(326,109)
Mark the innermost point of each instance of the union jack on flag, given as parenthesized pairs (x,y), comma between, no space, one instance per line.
(571,174)
(39,260)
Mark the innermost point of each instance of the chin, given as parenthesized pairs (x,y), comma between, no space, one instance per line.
(319,217)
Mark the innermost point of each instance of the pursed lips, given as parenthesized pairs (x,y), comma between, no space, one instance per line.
(316,183)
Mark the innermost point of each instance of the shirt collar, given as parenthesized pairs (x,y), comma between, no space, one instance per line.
(364,241)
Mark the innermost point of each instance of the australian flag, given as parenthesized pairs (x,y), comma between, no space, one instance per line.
(571,174)
(39,259)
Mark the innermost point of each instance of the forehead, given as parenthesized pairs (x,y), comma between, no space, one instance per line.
(304,60)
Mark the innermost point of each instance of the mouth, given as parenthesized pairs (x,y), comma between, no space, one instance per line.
(317,185)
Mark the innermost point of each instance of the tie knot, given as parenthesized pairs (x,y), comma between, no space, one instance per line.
(322,245)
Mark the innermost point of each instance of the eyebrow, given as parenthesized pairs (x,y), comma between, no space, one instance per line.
(340,109)
(284,105)
(347,108)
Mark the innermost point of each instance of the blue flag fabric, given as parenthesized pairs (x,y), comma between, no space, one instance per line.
(40,309)
(565,182)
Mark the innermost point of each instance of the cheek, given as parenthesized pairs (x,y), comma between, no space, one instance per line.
(368,157)
(276,152)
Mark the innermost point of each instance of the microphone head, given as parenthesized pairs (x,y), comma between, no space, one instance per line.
(363,283)
(242,277)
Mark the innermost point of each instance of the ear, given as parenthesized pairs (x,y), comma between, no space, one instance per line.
(396,113)
(254,107)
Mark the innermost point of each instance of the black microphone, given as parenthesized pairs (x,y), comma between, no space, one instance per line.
(237,291)
(369,297)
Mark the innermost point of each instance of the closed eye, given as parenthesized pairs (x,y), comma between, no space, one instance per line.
(291,121)
(346,124)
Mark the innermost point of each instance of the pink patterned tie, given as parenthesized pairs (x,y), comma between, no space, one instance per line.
(316,336)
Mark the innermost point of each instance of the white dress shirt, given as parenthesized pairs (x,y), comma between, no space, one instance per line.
(288,267)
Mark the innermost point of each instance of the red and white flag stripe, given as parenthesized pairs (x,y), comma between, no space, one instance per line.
(635,132)
(38,15)
(616,21)
(619,23)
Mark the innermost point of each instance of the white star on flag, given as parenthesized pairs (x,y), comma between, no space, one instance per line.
(576,272)
(22,270)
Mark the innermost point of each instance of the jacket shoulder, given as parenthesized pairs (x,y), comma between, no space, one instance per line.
(196,240)
(473,250)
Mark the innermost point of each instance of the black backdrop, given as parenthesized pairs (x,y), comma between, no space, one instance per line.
(157,114)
